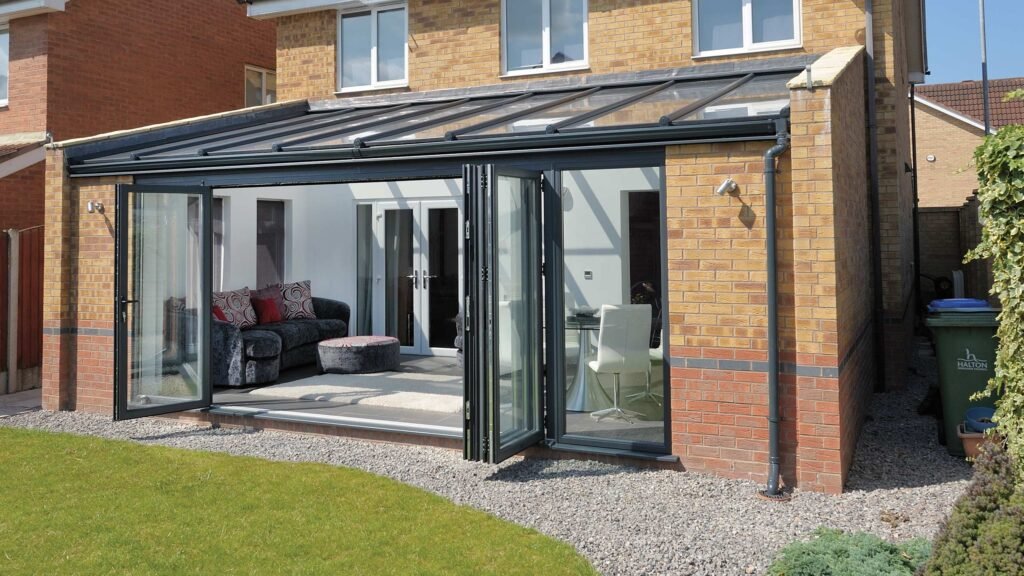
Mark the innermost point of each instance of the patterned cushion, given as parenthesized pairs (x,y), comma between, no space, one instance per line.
(298,301)
(268,303)
(236,307)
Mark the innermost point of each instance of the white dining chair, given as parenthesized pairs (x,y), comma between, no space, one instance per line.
(657,358)
(623,342)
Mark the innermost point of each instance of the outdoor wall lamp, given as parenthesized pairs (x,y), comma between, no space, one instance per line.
(727,187)
(94,206)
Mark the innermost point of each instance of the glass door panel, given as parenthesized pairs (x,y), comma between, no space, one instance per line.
(164,265)
(503,342)
(401,278)
(441,284)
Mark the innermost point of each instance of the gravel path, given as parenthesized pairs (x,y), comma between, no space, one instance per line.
(626,520)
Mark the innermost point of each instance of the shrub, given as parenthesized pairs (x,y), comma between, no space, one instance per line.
(1000,162)
(838,553)
(985,532)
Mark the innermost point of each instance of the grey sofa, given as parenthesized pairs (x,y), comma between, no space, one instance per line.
(256,355)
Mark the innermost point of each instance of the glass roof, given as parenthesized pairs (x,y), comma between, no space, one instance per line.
(657,104)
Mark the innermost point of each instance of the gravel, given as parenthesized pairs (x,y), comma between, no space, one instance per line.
(626,520)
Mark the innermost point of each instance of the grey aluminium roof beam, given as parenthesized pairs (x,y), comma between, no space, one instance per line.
(553,128)
(349,128)
(454,134)
(360,142)
(697,105)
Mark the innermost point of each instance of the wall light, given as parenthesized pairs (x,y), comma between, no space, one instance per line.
(727,187)
(94,206)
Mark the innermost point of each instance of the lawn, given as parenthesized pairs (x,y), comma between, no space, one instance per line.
(82,505)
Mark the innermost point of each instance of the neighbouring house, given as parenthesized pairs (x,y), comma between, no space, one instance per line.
(663,230)
(950,125)
(75,68)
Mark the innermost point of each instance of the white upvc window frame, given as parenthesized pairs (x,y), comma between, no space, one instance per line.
(749,46)
(545,67)
(263,84)
(374,84)
(5,28)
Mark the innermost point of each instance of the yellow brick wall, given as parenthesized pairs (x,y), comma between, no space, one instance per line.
(455,43)
(952,177)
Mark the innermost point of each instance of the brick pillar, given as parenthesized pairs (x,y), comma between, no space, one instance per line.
(58,343)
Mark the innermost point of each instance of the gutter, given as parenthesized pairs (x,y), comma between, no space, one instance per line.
(773,491)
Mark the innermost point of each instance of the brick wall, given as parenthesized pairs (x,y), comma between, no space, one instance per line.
(26,108)
(455,43)
(78,292)
(21,198)
(718,294)
(951,178)
(941,252)
(120,64)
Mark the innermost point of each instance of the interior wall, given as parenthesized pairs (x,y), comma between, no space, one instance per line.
(595,232)
(320,230)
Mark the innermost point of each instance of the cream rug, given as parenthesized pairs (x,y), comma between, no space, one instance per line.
(410,390)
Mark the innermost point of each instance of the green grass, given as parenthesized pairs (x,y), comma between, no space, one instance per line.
(80,505)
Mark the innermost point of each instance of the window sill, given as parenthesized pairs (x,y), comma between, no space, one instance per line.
(372,88)
(542,71)
(744,51)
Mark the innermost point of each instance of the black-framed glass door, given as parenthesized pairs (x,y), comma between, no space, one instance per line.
(502,312)
(162,300)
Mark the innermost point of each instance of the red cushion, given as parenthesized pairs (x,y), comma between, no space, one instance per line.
(219,314)
(267,310)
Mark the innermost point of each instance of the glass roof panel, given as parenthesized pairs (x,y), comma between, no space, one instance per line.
(349,138)
(650,109)
(538,121)
(440,130)
(278,130)
(763,96)
(386,113)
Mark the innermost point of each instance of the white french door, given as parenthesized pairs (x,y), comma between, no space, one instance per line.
(418,272)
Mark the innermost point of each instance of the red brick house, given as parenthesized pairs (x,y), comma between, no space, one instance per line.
(74,68)
(648,229)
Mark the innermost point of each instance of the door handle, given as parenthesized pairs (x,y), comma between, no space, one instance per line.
(124,308)
(426,278)
(415,277)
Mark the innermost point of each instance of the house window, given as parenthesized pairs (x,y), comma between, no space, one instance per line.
(731,26)
(372,48)
(269,242)
(5,63)
(543,35)
(260,86)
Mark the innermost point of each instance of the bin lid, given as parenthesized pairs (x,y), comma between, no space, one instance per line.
(981,318)
(957,304)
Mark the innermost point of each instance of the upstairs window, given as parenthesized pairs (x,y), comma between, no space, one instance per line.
(372,48)
(5,63)
(543,35)
(260,86)
(733,26)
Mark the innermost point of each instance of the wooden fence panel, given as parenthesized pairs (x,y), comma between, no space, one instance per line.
(30,298)
(3,302)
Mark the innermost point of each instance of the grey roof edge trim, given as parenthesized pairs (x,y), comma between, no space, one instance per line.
(715,130)
(740,68)
(115,143)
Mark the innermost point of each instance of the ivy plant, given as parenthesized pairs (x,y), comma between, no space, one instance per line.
(1000,163)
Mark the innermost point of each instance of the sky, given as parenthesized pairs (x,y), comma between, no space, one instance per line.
(954,48)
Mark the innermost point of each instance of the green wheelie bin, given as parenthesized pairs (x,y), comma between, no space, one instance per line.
(965,347)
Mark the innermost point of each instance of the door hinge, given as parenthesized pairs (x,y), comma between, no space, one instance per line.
(465,317)
(467,229)
(469,411)
(543,270)
(483,274)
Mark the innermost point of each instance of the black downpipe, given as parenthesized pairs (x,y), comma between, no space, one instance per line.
(875,197)
(918,304)
(773,491)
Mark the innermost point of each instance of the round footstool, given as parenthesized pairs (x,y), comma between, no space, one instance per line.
(358,354)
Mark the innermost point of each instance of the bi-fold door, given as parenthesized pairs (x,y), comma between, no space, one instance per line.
(503,329)
(162,300)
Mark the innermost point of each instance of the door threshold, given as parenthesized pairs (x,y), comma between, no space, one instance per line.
(616,452)
(293,416)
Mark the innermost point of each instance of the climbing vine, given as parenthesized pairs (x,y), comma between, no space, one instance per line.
(1000,162)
